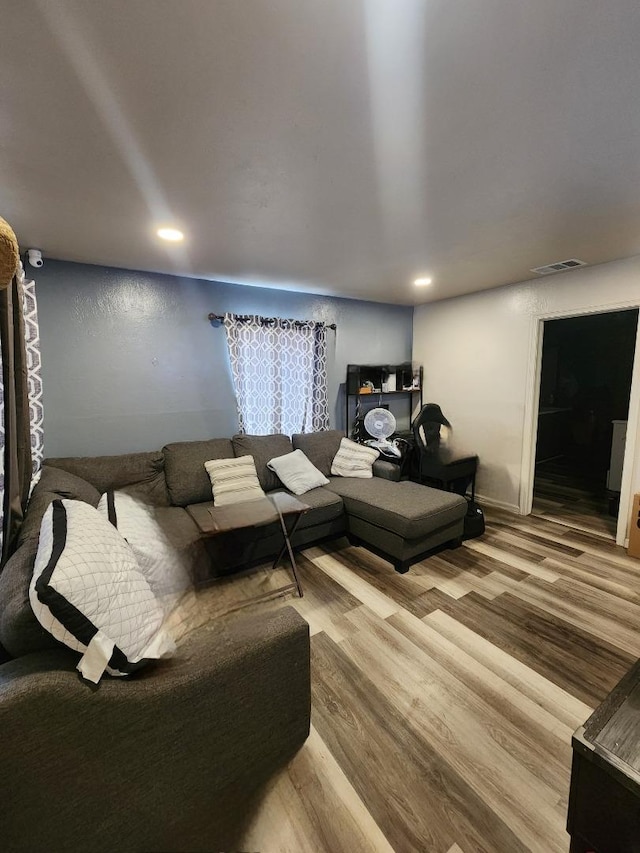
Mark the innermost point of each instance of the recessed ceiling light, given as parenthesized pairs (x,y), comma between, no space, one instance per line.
(174,235)
(422,282)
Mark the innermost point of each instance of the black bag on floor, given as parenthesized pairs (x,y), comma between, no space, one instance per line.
(473,521)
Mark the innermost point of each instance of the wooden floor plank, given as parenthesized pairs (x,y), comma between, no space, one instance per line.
(437,573)
(498,551)
(561,657)
(597,577)
(437,708)
(558,702)
(313,786)
(444,699)
(379,602)
(418,801)
(324,602)
(512,545)
(463,558)
(409,658)
(575,613)
(596,664)
(404,590)
(571,499)
(500,694)
(479,564)
(536,544)
(581,540)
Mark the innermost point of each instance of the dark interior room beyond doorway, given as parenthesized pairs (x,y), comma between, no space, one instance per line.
(587,366)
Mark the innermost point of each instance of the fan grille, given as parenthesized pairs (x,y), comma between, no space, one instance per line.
(379,423)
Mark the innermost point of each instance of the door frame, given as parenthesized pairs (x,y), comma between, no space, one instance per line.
(532,400)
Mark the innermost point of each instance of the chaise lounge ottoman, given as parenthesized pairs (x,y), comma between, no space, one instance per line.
(401,520)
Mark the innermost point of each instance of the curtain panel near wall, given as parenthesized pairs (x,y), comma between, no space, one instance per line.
(20,404)
(21,430)
(279,370)
(21,427)
(34,374)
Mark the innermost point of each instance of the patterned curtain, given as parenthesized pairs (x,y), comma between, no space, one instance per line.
(21,413)
(279,370)
(34,376)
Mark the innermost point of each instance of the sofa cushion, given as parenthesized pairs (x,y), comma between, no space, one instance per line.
(297,472)
(140,474)
(263,448)
(53,483)
(325,506)
(405,508)
(387,470)
(88,591)
(234,480)
(20,631)
(187,479)
(319,447)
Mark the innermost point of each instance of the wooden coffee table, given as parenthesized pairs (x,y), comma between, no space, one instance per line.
(215,520)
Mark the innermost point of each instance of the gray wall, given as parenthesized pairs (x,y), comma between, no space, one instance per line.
(130,361)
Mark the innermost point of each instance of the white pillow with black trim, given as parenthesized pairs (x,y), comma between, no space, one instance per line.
(354,460)
(234,480)
(166,568)
(297,472)
(88,591)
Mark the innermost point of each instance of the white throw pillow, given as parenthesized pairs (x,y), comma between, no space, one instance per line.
(297,472)
(354,460)
(166,568)
(88,591)
(234,480)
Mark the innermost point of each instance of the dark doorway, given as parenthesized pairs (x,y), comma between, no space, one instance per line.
(585,383)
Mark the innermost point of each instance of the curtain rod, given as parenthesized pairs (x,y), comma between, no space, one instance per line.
(270,320)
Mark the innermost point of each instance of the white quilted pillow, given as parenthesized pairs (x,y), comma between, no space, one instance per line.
(88,591)
(354,460)
(165,567)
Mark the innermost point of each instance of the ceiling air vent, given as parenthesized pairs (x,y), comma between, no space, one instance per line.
(559,266)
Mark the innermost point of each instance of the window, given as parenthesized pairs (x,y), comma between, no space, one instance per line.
(279,370)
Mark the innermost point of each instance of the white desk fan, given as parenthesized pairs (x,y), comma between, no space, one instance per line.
(380,424)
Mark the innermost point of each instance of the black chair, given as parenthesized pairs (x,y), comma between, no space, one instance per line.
(441,465)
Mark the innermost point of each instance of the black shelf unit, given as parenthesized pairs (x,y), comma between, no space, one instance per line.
(408,381)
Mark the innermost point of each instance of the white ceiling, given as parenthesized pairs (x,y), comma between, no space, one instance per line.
(334,146)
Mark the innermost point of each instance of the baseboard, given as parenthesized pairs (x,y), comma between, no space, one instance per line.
(507,507)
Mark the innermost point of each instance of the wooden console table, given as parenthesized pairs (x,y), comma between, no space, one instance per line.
(213,521)
(604,801)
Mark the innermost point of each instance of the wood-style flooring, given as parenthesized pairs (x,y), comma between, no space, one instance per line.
(565,497)
(444,700)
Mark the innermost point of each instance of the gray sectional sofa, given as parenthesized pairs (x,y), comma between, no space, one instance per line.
(403,521)
(165,760)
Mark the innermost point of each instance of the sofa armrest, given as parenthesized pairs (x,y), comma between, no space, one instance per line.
(386,470)
(144,762)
